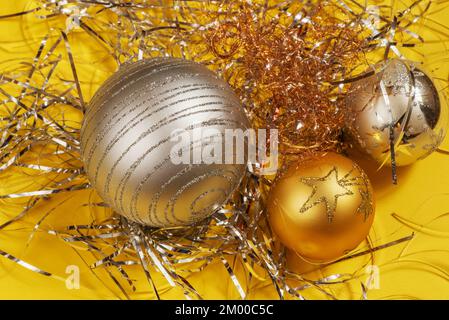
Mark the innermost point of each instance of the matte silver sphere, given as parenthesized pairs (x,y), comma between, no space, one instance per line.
(127,141)
(405,97)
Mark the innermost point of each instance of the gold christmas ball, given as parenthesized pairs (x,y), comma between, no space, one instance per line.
(321,207)
(402,100)
(146,136)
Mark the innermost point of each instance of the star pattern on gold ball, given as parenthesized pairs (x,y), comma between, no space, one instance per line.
(327,190)
(366,204)
(356,177)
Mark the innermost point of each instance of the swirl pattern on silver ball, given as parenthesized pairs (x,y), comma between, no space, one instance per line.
(126,141)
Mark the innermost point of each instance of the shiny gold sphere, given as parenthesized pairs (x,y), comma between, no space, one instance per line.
(321,207)
(402,99)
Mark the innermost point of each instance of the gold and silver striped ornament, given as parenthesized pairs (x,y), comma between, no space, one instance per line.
(127,145)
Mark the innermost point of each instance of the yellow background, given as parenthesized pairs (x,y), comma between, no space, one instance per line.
(422,196)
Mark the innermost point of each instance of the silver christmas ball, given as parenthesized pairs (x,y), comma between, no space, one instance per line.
(140,120)
(400,98)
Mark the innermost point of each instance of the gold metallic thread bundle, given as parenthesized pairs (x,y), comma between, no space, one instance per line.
(291,63)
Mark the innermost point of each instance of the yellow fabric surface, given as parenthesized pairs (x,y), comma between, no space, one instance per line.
(421,197)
